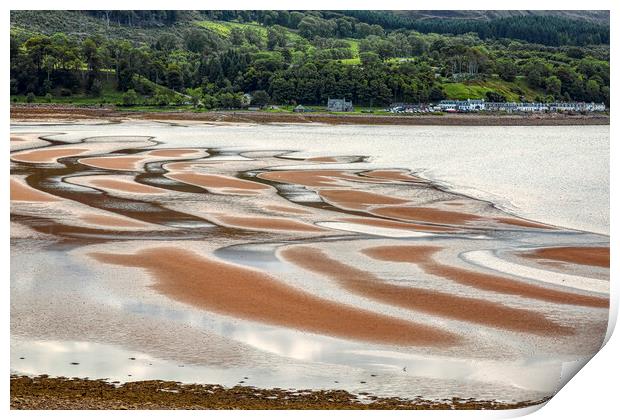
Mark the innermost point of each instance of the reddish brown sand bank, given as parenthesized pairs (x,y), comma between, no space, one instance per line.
(125,186)
(173,152)
(418,299)
(253,295)
(115,163)
(218,181)
(426,214)
(423,256)
(111,221)
(434,215)
(22,192)
(309,178)
(323,159)
(592,256)
(520,222)
(393,175)
(46,155)
(357,199)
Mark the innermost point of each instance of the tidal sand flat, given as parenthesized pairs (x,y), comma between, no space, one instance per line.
(596,256)
(46,155)
(255,259)
(116,184)
(424,256)
(244,293)
(448,305)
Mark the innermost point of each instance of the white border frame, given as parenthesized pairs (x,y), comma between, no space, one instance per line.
(592,394)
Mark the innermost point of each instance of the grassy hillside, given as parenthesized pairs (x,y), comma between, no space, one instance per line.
(478,89)
(223,29)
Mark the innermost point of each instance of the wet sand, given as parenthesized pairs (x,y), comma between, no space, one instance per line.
(357,200)
(231,290)
(521,222)
(46,155)
(111,221)
(323,159)
(447,217)
(393,224)
(446,305)
(208,181)
(125,186)
(28,141)
(592,256)
(308,178)
(268,224)
(176,167)
(423,256)
(115,163)
(287,209)
(150,219)
(393,175)
(22,192)
(426,214)
(173,152)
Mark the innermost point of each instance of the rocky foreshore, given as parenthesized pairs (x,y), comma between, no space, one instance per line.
(45,393)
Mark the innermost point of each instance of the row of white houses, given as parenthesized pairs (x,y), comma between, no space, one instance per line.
(476,105)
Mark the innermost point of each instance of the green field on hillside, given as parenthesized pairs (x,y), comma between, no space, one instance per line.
(478,89)
(223,29)
(351,61)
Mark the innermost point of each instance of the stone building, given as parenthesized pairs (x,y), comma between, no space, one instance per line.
(339,105)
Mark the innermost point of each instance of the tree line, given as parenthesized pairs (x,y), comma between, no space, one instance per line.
(306,66)
(546,30)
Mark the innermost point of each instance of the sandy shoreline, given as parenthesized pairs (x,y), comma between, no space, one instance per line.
(47,112)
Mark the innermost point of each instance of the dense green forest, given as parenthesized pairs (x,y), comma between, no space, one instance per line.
(224,59)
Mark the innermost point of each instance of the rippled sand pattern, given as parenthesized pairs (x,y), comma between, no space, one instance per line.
(220,287)
(424,256)
(437,303)
(297,263)
(218,182)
